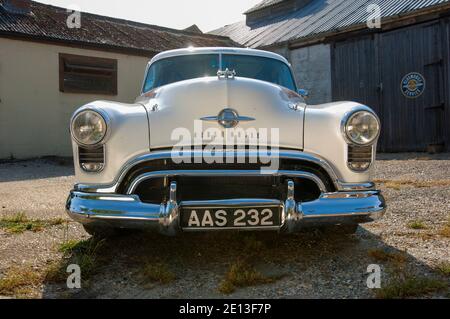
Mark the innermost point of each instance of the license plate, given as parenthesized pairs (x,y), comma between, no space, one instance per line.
(229,218)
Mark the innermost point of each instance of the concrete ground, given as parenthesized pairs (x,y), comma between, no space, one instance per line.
(411,245)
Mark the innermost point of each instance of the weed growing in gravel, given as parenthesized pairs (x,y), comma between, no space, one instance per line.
(158,272)
(242,274)
(19,223)
(81,253)
(57,221)
(410,287)
(68,247)
(417,224)
(445,231)
(397,184)
(381,255)
(402,284)
(444,268)
(18,282)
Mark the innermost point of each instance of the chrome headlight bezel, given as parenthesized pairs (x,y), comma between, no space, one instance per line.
(105,121)
(349,117)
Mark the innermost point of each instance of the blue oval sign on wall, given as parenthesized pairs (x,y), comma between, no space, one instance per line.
(413,85)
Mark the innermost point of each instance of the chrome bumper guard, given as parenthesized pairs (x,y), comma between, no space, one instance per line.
(128,211)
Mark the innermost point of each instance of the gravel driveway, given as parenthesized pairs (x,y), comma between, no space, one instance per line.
(411,245)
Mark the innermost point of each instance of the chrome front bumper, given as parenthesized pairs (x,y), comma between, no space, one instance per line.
(128,211)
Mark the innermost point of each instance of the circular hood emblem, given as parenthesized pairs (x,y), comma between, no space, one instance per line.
(228,118)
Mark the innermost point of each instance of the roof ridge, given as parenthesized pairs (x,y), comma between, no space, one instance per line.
(131,22)
(48,23)
(263,4)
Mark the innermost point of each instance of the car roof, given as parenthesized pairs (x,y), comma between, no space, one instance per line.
(217,50)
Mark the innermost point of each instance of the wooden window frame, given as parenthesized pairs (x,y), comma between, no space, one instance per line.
(63,57)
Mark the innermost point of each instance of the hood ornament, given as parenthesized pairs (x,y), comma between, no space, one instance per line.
(228,118)
(227,74)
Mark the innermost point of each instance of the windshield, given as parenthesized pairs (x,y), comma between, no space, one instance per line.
(260,68)
(181,68)
(188,67)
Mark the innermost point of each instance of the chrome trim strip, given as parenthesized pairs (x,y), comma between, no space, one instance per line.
(249,228)
(218,173)
(355,187)
(227,203)
(284,154)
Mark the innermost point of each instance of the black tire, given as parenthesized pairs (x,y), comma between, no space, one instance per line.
(344,229)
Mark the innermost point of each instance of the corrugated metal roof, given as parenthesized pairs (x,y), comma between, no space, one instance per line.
(50,23)
(318,17)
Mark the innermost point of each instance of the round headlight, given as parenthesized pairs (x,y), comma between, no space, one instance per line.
(89,128)
(362,128)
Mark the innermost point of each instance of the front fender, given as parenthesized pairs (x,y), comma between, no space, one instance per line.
(127,137)
(323,136)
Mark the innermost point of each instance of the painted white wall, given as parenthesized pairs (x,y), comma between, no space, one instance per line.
(312,70)
(34,114)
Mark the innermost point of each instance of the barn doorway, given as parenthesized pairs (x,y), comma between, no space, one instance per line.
(400,74)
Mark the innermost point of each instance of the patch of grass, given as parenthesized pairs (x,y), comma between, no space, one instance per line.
(158,273)
(81,253)
(444,268)
(426,236)
(410,287)
(417,224)
(226,287)
(445,231)
(398,184)
(70,246)
(55,273)
(19,223)
(242,274)
(382,255)
(57,221)
(18,282)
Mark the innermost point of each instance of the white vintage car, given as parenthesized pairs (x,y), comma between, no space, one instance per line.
(222,139)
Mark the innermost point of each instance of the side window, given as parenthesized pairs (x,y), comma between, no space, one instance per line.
(150,80)
(90,75)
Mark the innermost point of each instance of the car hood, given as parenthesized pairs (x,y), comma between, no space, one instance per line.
(185,113)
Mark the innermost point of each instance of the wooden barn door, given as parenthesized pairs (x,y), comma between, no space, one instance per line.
(370,70)
(412,124)
(356,73)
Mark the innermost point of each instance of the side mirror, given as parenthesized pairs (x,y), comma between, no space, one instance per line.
(304,93)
